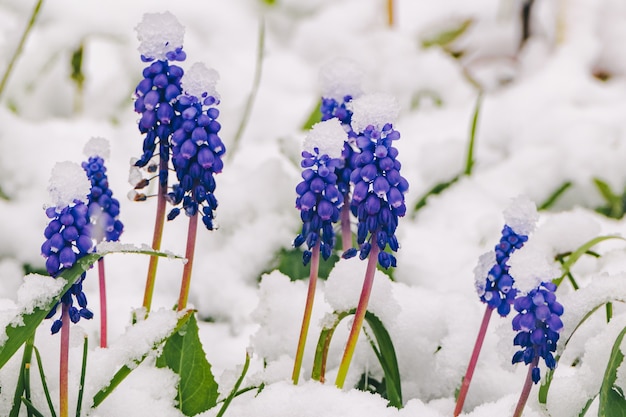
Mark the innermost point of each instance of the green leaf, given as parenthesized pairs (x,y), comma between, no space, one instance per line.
(447,36)
(183,354)
(612,400)
(615,203)
(314,117)
(549,202)
(124,370)
(19,334)
(438,188)
(384,350)
(469,164)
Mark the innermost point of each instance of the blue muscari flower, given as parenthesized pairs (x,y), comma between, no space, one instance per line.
(104,209)
(331,108)
(319,201)
(197,152)
(378,194)
(538,324)
(68,238)
(498,291)
(156,96)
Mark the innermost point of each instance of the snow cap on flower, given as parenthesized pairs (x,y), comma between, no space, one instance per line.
(340,77)
(159,34)
(486,261)
(376,110)
(521,215)
(68,183)
(199,81)
(97,146)
(328,137)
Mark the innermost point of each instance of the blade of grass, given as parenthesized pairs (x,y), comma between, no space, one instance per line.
(44,384)
(83,372)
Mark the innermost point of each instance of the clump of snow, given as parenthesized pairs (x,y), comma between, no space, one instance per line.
(158,34)
(68,182)
(200,81)
(535,261)
(118,247)
(486,261)
(531,265)
(340,77)
(37,291)
(376,109)
(521,215)
(328,137)
(344,284)
(134,175)
(97,146)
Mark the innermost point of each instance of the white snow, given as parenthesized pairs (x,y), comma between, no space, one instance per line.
(68,182)
(376,109)
(521,215)
(158,34)
(340,77)
(98,146)
(199,80)
(486,261)
(327,136)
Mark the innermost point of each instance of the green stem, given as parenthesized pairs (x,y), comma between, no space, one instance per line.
(469,164)
(234,392)
(361,308)
(159,221)
(23,381)
(473,361)
(308,309)
(83,373)
(609,311)
(528,384)
(253,92)
(20,46)
(103,303)
(189,253)
(64,361)
(44,384)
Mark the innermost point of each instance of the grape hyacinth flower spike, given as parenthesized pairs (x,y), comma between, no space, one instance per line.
(319,202)
(377,198)
(68,234)
(161,39)
(197,152)
(494,284)
(68,238)
(538,325)
(103,213)
(340,82)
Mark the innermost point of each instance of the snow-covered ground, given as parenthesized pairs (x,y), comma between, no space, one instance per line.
(552,111)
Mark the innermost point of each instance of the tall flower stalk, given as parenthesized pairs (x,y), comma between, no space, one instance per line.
(161,38)
(103,213)
(68,238)
(377,199)
(494,284)
(197,152)
(319,202)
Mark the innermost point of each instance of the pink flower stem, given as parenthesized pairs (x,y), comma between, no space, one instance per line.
(189,252)
(528,384)
(157,236)
(308,308)
(103,303)
(346,234)
(359,315)
(64,360)
(467,379)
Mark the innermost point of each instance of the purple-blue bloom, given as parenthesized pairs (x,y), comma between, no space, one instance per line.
(68,238)
(156,96)
(378,194)
(319,201)
(104,209)
(498,291)
(538,324)
(197,152)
